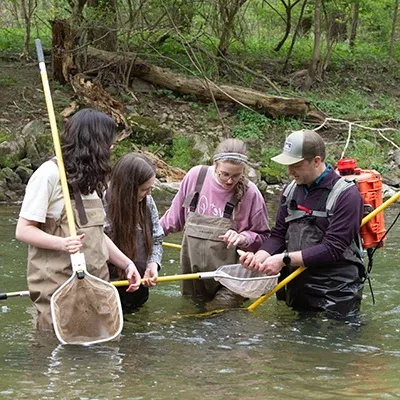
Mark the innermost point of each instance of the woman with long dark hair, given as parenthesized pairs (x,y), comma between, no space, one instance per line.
(132,223)
(86,144)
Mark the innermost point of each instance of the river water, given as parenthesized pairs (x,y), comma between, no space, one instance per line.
(167,352)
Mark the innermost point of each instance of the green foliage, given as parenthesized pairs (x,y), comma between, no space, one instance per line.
(251,125)
(11,40)
(120,149)
(212,113)
(270,170)
(5,136)
(353,104)
(181,153)
(370,154)
(7,81)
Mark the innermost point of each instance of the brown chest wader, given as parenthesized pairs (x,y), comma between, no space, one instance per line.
(49,269)
(131,301)
(203,251)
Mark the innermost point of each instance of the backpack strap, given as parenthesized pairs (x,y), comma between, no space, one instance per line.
(339,187)
(289,191)
(329,197)
(295,211)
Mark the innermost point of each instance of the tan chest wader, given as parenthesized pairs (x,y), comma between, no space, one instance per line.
(49,269)
(202,251)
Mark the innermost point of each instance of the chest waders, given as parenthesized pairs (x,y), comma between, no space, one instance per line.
(131,301)
(203,251)
(335,288)
(49,269)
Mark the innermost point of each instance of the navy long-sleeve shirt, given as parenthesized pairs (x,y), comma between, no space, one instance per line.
(340,229)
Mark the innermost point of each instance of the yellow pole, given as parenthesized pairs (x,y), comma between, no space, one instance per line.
(56,139)
(169,278)
(299,270)
(172,245)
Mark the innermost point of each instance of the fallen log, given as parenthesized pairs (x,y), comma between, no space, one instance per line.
(273,106)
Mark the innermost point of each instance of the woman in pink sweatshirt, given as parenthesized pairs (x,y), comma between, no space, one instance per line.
(219,209)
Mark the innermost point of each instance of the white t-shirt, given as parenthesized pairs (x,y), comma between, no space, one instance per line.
(43,195)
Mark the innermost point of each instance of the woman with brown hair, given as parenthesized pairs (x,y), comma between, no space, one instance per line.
(86,144)
(219,209)
(132,223)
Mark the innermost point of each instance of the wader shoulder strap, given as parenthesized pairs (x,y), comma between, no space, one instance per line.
(78,201)
(193,198)
(230,206)
(79,205)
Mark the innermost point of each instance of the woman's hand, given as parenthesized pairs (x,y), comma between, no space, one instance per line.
(133,277)
(71,244)
(254,261)
(151,274)
(232,238)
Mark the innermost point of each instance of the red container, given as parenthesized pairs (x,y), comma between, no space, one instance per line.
(369,184)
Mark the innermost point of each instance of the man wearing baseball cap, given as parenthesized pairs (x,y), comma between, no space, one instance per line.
(317,225)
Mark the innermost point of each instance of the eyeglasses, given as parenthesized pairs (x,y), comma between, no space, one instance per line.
(224,176)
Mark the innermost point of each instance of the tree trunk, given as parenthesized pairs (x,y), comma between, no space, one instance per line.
(288,9)
(354,23)
(312,70)
(393,33)
(28,9)
(296,32)
(273,106)
(228,10)
(63,43)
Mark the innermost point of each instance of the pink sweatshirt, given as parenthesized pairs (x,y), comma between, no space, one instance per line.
(250,214)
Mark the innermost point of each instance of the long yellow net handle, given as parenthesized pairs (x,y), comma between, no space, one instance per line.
(299,270)
(172,245)
(56,139)
(169,278)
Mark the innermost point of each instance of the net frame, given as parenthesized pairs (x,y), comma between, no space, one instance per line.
(63,320)
(240,280)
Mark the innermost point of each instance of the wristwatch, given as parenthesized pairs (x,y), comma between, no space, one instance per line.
(286,259)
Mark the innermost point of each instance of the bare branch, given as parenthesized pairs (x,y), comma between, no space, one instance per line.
(351,124)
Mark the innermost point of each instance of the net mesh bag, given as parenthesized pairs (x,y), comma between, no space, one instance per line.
(247,283)
(86,311)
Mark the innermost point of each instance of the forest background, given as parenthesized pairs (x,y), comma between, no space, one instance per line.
(180,75)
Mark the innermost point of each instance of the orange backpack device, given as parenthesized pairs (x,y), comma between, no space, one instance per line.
(369,183)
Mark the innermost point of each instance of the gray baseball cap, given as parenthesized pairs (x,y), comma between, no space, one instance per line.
(301,145)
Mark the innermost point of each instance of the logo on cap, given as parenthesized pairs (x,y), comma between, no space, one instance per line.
(287,147)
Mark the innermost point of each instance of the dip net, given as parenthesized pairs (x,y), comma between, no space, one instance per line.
(86,311)
(245,282)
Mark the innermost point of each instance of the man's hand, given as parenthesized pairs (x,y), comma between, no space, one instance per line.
(272,265)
